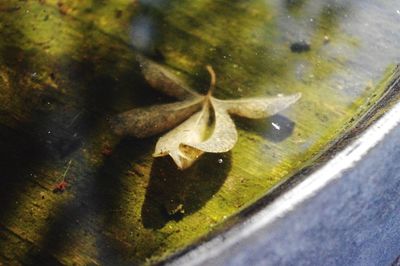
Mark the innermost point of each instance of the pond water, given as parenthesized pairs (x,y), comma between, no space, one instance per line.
(74,193)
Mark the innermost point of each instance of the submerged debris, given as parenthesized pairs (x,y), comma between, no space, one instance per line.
(60,187)
(300,47)
(174,209)
(191,117)
(106,151)
(63,184)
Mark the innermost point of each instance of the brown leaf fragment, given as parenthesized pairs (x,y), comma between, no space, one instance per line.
(259,107)
(162,79)
(149,121)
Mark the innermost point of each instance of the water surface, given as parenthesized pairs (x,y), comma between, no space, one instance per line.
(68,66)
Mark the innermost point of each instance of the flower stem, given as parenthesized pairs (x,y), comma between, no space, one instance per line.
(213,79)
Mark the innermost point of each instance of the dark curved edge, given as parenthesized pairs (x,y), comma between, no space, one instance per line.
(389,98)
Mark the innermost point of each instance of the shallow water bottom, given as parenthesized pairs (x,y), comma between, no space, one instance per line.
(67,67)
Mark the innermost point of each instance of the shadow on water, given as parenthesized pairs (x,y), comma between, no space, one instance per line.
(47,126)
(275,128)
(37,132)
(173,193)
(99,197)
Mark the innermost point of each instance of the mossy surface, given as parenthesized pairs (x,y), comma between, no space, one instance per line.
(67,66)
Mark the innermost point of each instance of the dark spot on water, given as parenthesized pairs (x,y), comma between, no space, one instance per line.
(118,13)
(300,47)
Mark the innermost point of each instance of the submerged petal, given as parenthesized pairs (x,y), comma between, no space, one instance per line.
(259,107)
(224,135)
(162,79)
(192,130)
(149,121)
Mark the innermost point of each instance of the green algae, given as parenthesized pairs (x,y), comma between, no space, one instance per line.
(65,68)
